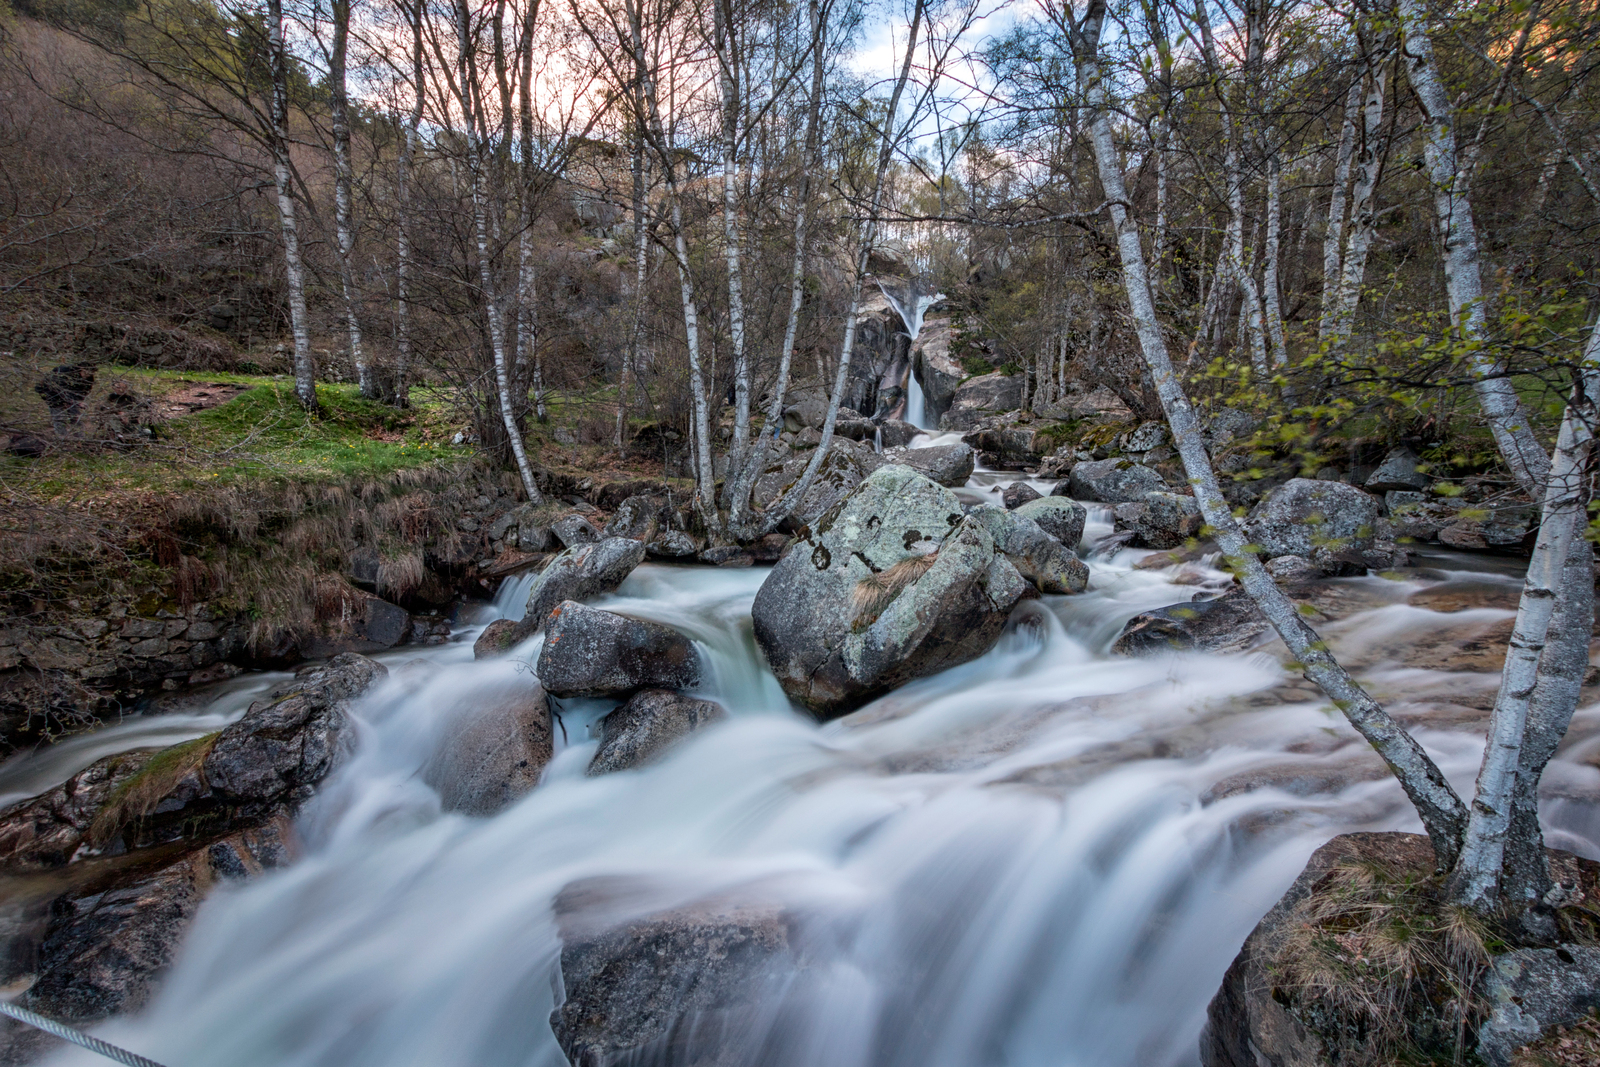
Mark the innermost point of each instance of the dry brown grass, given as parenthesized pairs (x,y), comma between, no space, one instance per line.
(876,592)
(1378,958)
(1577,1045)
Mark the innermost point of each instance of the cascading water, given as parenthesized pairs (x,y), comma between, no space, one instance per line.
(1045,857)
(911,303)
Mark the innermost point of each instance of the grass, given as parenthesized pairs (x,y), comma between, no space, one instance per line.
(135,799)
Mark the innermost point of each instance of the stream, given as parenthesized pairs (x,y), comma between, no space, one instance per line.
(1046,857)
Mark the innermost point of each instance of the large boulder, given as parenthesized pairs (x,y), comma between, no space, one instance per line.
(950,465)
(1051,566)
(652,721)
(1397,472)
(1114,481)
(674,986)
(639,518)
(841,472)
(1008,448)
(1017,494)
(898,584)
(895,433)
(1272,1007)
(938,372)
(589,652)
(576,574)
(494,755)
(1058,516)
(1231,623)
(1310,518)
(980,398)
(574,530)
(368,624)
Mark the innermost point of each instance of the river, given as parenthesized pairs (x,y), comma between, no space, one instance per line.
(1043,858)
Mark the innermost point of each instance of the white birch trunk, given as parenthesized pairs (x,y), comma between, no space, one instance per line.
(1441,809)
(1476,879)
(403,178)
(1458,237)
(729,90)
(1271,292)
(1333,239)
(305,374)
(343,206)
(641,274)
(1363,217)
(486,281)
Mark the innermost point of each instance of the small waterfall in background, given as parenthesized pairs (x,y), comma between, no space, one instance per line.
(911,302)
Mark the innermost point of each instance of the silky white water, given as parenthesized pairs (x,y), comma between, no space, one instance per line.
(911,305)
(1027,860)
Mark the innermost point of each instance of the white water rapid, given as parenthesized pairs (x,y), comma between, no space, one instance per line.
(911,304)
(1043,858)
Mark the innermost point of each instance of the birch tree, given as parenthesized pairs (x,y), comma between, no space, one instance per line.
(305,380)
(343,201)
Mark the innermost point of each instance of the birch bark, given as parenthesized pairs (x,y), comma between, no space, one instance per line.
(408,154)
(343,206)
(305,374)
(1333,238)
(1458,237)
(1363,215)
(728,85)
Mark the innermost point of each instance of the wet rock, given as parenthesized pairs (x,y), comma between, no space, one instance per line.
(897,434)
(1397,471)
(726,556)
(1168,520)
(1304,515)
(672,987)
(1017,494)
(372,625)
(1467,594)
(589,652)
(896,585)
(652,721)
(1059,517)
(1231,623)
(949,465)
(494,755)
(979,398)
(1499,530)
(1419,520)
(281,750)
(498,638)
(1046,562)
(1007,448)
(937,371)
(576,574)
(45,833)
(1532,991)
(104,950)
(1114,481)
(574,530)
(672,544)
(638,517)
(1293,570)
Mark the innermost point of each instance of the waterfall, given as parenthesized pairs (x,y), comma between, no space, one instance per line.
(911,302)
(1044,857)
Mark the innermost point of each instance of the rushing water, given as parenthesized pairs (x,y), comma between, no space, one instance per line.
(1043,858)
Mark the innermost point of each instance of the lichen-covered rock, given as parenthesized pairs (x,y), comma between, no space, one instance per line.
(1168,520)
(1058,516)
(1231,623)
(494,754)
(497,639)
(671,987)
(978,398)
(574,530)
(1397,471)
(639,518)
(949,465)
(841,472)
(652,721)
(1114,481)
(1531,991)
(1051,566)
(1304,515)
(589,652)
(672,544)
(898,584)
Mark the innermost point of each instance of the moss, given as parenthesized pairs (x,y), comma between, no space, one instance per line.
(136,799)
